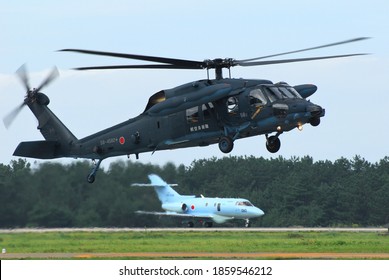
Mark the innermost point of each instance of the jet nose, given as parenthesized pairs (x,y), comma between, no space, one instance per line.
(259,212)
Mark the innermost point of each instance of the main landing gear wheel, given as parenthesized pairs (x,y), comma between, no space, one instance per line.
(226,144)
(190,224)
(273,144)
(315,121)
(207,224)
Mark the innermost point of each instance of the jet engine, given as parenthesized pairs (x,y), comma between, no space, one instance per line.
(176,207)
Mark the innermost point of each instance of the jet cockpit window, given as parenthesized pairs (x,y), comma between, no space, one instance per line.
(257,98)
(243,203)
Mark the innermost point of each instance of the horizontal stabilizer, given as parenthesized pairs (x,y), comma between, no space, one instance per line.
(152,185)
(37,149)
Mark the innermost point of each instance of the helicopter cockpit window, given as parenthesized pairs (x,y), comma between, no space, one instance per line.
(232,105)
(257,98)
(285,92)
(277,92)
(294,92)
(272,95)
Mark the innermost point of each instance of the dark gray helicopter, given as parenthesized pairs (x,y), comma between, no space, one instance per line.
(198,113)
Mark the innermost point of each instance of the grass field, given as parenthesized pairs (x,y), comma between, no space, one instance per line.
(201,242)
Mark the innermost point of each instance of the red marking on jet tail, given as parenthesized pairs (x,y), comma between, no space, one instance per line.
(122,140)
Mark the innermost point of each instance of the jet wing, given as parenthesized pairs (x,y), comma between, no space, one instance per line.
(216,218)
(176,214)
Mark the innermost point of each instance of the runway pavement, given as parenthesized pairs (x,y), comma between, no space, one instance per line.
(183,229)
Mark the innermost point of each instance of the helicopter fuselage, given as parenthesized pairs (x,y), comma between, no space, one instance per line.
(200,113)
(241,108)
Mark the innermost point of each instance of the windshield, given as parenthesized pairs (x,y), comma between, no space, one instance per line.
(276,93)
(257,98)
(244,203)
(294,92)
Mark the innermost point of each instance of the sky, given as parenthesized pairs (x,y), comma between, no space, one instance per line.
(353,90)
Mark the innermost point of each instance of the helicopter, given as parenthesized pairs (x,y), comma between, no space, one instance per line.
(199,113)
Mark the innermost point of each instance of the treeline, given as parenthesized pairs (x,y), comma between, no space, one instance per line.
(292,192)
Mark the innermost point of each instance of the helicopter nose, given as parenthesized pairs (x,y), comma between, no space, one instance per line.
(315,110)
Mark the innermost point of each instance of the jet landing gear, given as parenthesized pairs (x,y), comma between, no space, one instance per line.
(273,143)
(92,176)
(247,223)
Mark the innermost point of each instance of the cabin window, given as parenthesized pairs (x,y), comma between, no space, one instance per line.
(232,105)
(207,111)
(192,115)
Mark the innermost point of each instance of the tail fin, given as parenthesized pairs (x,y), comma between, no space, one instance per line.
(59,139)
(49,125)
(164,190)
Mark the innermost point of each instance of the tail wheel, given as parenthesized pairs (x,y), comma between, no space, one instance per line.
(226,144)
(91,178)
(273,144)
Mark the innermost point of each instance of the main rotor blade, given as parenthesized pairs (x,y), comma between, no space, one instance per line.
(267,62)
(173,61)
(307,49)
(22,74)
(149,66)
(8,119)
(52,76)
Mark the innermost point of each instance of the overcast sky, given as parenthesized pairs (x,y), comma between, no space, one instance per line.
(353,91)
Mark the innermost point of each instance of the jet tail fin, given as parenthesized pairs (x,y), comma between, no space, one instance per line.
(164,190)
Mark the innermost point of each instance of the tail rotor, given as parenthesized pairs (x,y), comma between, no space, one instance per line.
(32,94)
